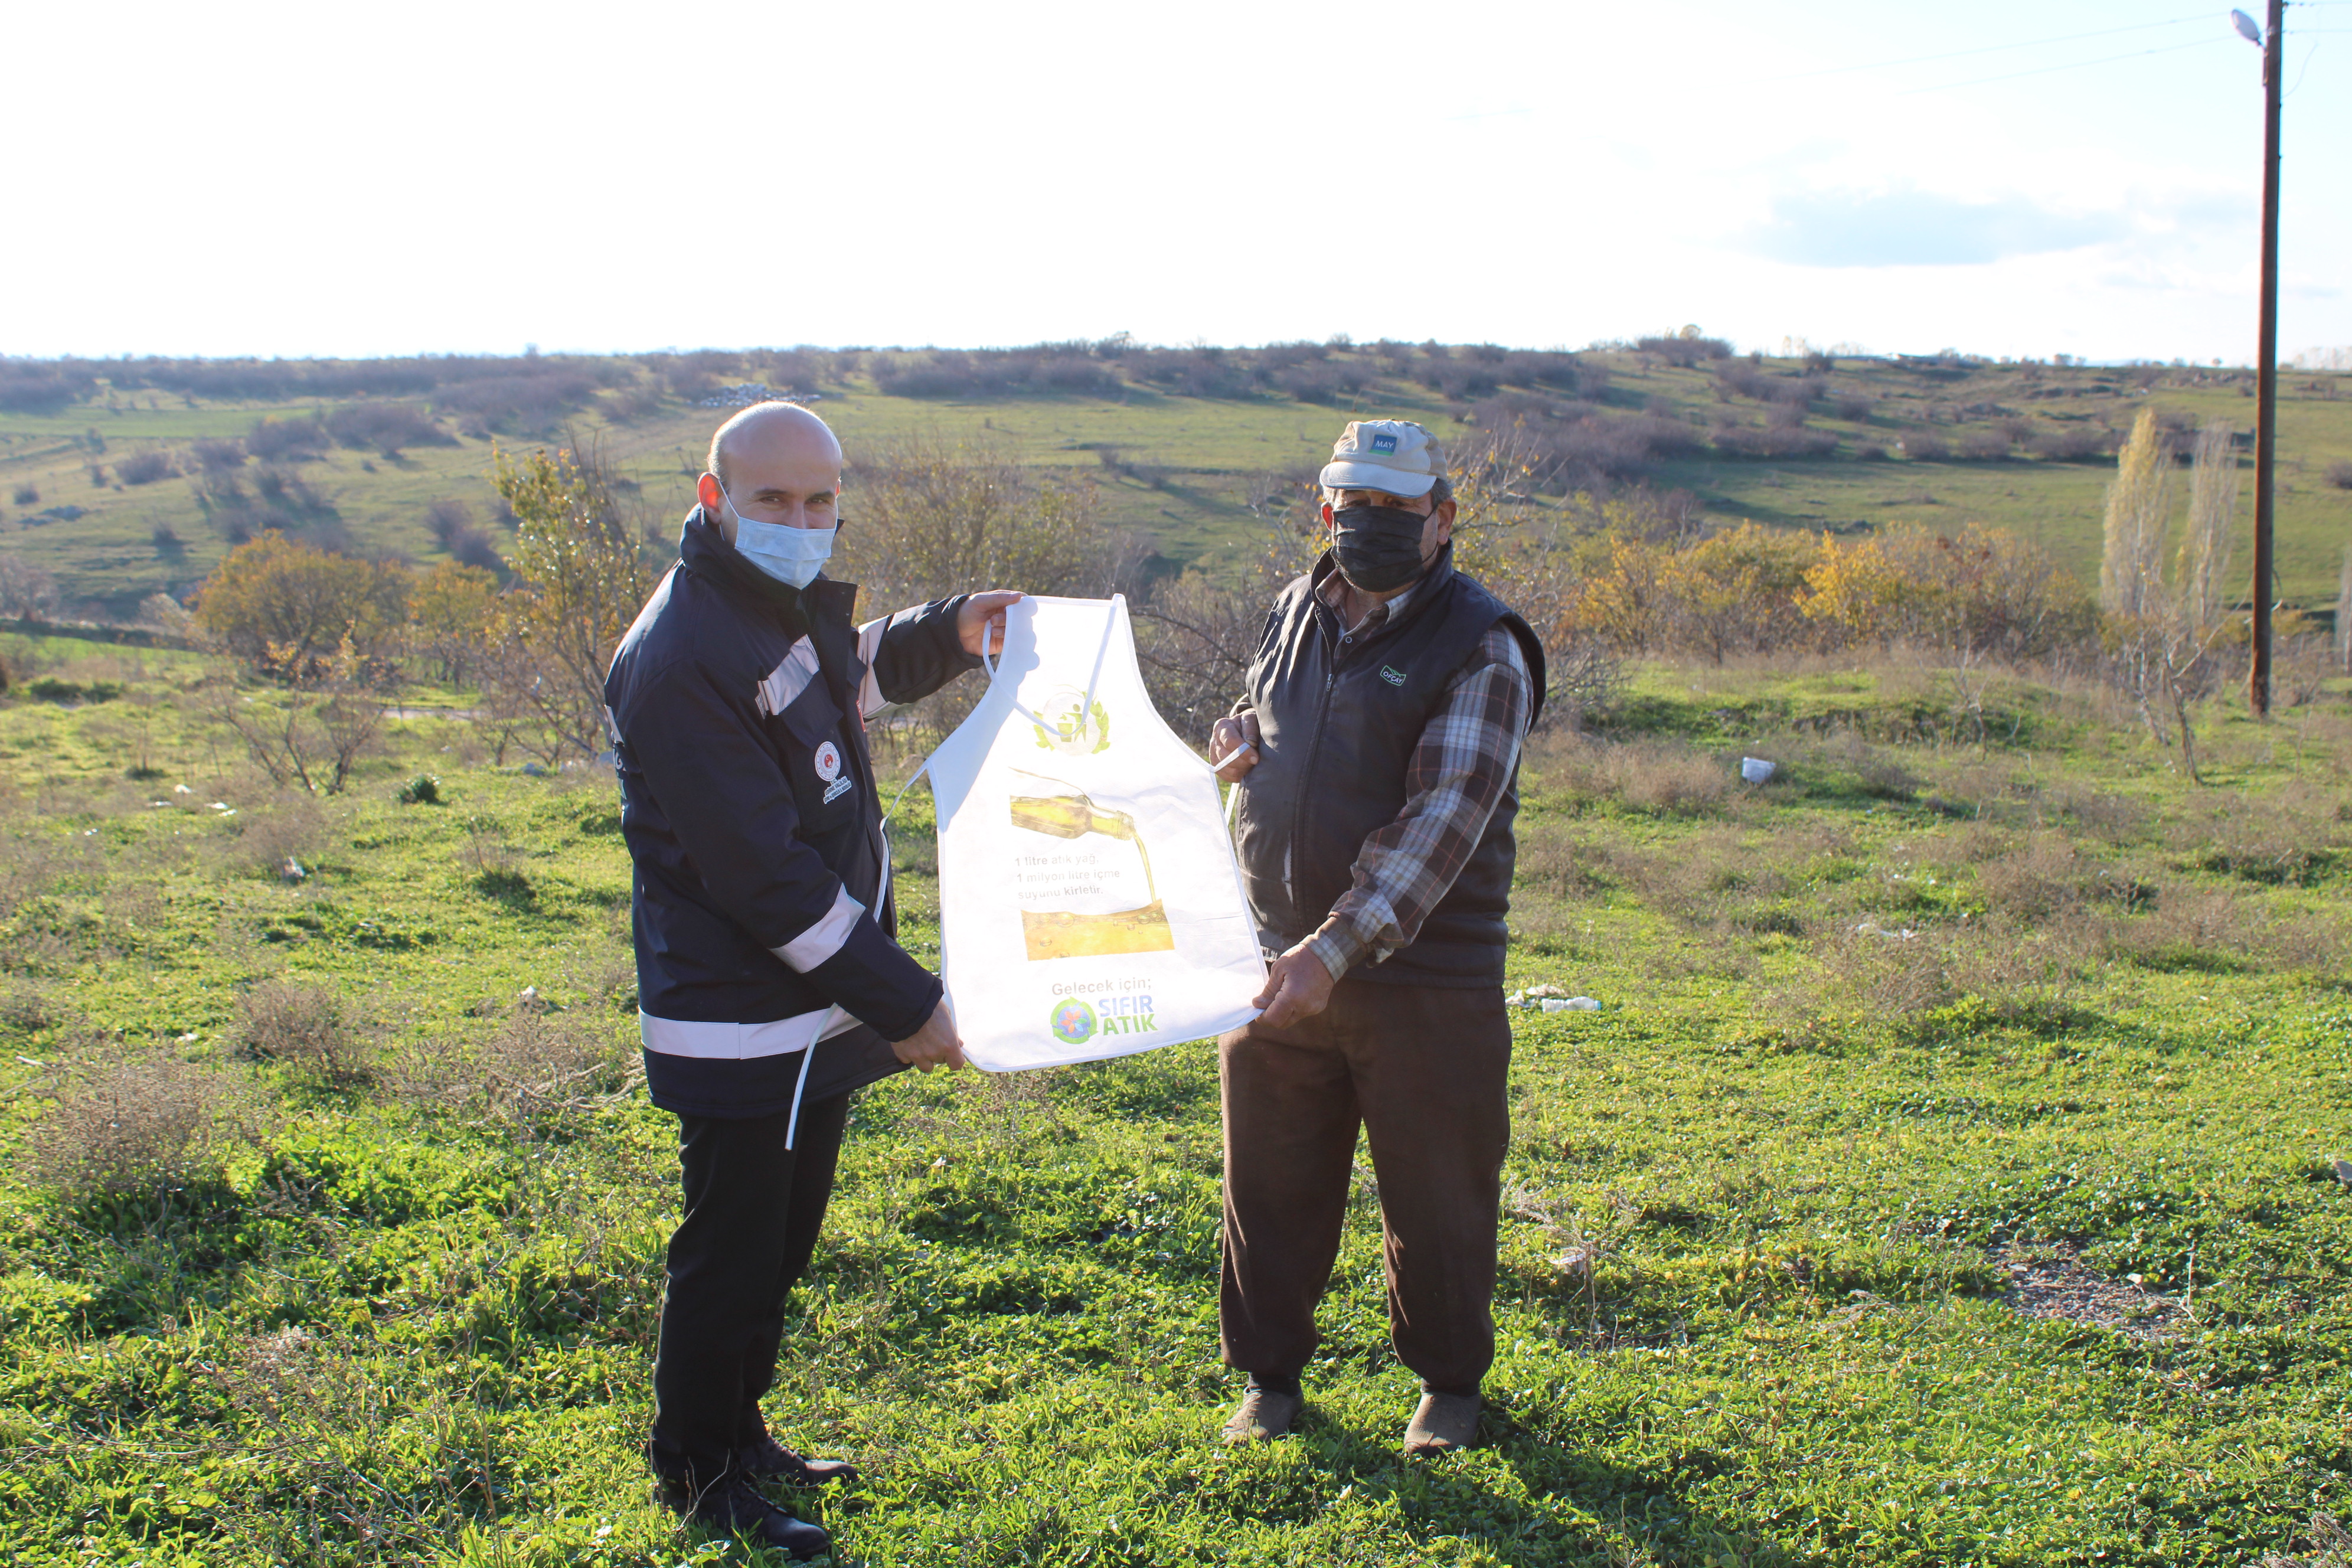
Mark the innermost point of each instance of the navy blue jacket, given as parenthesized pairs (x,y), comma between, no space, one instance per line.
(737,707)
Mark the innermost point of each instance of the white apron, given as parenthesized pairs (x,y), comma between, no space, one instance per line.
(1089,901)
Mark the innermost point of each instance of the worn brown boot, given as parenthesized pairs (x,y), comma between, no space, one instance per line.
(1443,1423)
(1264,1415)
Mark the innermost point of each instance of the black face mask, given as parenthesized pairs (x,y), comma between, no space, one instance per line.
(1378,547)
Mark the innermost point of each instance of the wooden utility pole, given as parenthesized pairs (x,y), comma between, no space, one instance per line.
(2258,680)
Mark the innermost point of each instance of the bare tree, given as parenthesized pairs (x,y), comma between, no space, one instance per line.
(314,731)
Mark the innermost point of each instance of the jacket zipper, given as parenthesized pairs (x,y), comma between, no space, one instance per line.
(1306,778)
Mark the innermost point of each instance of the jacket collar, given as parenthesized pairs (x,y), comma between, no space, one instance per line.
(704,551)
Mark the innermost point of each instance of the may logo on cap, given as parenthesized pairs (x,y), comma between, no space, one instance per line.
(1394,456)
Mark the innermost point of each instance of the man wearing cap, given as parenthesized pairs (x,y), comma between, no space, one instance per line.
(1376,751)
(769,983)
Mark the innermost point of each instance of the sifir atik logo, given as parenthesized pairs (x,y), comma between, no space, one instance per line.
(1075,1022)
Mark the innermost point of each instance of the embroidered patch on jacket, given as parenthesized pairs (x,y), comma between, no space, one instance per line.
(1393,675)
(835,791)
(828,763)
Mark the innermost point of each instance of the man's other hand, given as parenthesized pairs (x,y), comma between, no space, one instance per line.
(1298,986)
(1232,747)
(935,1045)
(982,617)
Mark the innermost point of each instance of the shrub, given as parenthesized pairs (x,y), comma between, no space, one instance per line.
(514,403)
(218,455)
(631,404)
(2072,443)
(1685,348)
(386,427)
(2339,473)
(446,520)
(129,1124)
(1924,447)
(1324,383)
(454,615)
(1740,378)
(166,540)
(936,516)
(163,612)
(279,440)
(27,495)
(145,467)
(302,1027)
(1774,440)
(1984,446)
(39,388)
(539,1065)
(283,606)
(27,591)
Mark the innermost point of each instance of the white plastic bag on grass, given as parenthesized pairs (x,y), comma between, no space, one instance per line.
(1090,903)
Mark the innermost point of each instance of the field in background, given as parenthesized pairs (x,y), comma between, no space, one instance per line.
(1945,1178)
(1191,473)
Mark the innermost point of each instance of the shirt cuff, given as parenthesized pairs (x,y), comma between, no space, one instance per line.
(1337,947)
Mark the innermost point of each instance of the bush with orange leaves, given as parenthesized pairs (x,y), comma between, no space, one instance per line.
(1974,592)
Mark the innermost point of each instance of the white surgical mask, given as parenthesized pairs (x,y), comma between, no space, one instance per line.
(786,553)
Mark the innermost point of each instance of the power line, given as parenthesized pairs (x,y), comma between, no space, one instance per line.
(1996,48)
(2075,65)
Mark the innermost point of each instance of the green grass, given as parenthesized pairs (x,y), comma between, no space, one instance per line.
(1189,463)
(407,1319)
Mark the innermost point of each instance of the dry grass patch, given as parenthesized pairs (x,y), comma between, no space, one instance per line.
(1663,778)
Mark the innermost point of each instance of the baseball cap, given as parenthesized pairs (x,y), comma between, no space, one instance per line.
(1390,455)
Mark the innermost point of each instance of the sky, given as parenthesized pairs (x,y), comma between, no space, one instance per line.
(2068,176)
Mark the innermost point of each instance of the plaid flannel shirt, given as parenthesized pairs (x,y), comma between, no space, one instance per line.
(1454,780)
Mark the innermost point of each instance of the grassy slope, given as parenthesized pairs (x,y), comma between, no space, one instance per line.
(1205,452)
(415,1331)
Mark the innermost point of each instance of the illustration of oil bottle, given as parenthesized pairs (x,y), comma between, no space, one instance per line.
(1070,815)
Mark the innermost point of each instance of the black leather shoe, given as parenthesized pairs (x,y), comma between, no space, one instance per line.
(769,1460)
(735,1506)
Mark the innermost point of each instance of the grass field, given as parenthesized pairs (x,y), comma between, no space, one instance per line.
(1183,471)
(1946,1178)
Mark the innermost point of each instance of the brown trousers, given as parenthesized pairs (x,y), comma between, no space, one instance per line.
(1425,1071)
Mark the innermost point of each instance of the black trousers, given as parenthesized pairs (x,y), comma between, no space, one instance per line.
(753,1209)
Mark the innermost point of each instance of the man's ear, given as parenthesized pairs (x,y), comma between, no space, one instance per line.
(706,490)
(1445,515)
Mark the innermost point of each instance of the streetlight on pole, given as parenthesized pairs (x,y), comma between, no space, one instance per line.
(2258,679)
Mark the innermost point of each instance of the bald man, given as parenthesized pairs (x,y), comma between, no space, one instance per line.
(770,984)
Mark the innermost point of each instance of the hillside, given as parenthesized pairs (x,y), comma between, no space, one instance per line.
(122,478)
(1945,1177)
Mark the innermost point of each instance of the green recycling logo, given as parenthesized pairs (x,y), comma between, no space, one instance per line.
(1064,731)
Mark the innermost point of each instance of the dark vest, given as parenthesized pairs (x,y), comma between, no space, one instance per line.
(1338,717)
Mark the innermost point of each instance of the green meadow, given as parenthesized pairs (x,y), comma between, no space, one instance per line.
(1945,1177)
(1189,474)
